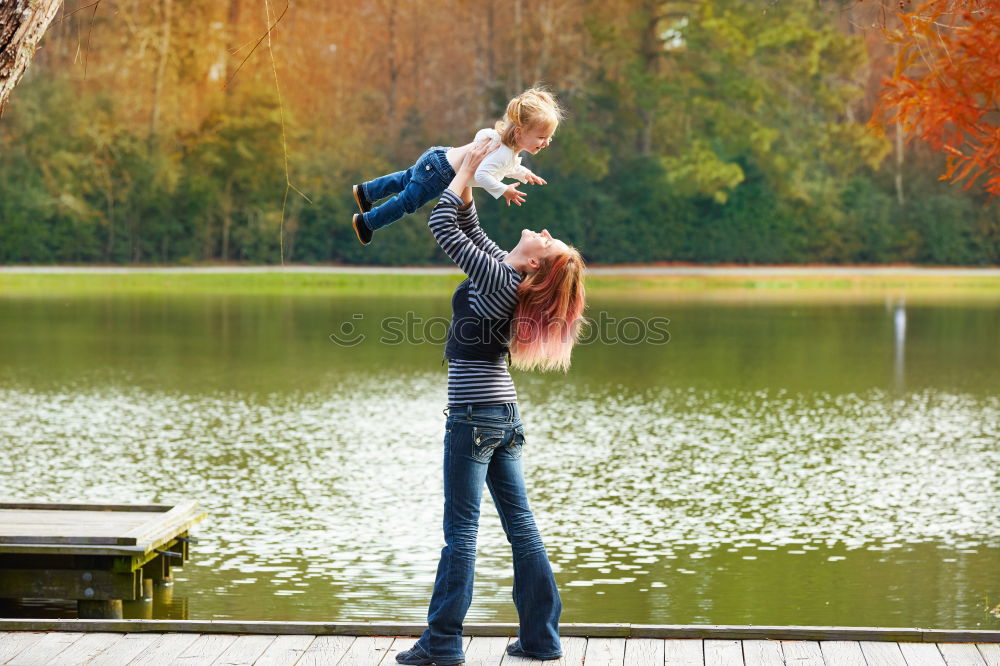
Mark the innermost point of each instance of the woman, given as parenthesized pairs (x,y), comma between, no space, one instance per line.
(529,302)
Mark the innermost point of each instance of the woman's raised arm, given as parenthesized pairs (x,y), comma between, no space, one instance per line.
(482,264)
(468,222)
(467,170)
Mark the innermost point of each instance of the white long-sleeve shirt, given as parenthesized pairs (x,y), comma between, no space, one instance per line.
(501,163)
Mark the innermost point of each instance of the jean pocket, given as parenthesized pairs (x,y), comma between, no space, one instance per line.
(424,172)
(516,442)
(485,441)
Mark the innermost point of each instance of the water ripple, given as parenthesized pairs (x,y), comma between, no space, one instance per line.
(338,492)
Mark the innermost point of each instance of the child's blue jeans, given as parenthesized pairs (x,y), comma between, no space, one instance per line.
(482,445)
(413,188)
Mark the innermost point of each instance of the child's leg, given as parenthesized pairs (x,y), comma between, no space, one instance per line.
(416,186)
(383,186)
(413,196)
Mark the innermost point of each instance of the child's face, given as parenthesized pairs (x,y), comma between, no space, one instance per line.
(535,138)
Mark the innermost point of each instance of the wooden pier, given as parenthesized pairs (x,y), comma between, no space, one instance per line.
(98,554)
(204,643)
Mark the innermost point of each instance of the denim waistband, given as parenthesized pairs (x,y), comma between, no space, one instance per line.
(440,156)
(506,412)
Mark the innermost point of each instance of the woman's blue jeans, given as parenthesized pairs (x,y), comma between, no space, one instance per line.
(483,444)
(413,187)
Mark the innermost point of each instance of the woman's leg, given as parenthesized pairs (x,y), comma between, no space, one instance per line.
(464,474)
(535,594)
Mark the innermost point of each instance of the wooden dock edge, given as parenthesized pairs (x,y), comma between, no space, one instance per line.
(725,632)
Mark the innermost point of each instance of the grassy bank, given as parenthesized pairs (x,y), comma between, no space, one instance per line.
(323,284)
(39,284)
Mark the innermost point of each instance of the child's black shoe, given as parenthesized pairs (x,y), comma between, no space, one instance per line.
(359,196)
(361,229)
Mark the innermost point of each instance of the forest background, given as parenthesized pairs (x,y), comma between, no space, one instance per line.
(709,131)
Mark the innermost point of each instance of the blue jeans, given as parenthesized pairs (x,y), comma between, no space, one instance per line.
(483,443)
(414,187)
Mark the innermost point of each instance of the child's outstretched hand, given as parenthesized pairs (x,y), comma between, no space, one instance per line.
(513,194)
(534,179)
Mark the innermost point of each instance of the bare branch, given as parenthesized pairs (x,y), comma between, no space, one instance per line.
(266,35)
(79,9)
(90,31)
(284,142)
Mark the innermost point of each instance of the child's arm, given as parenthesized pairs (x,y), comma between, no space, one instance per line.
(525,175)
(487,134)
(535,179)
(496,167)
(492,170)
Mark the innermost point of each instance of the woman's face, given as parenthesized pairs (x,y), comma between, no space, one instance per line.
(539,244)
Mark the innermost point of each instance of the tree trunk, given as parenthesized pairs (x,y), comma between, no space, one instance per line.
(394,70)
(899,165)
(647,118)
(135,238)
(229,55)
(546,24)
(22,24)
(899,159)
(417,62)
(651,53)
(109,198)
(490,49)
(227,218)
(161,67)
(518,50)
(483,66)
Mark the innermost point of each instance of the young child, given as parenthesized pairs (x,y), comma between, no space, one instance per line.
(531,119)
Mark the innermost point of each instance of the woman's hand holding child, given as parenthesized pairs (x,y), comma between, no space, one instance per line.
(467,171)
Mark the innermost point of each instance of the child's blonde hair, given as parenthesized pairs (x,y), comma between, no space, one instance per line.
(535,107)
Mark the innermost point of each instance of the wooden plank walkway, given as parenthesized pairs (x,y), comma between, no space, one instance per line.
(197,643)
(29,648)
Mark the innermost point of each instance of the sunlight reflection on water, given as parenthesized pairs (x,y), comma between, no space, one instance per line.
(334,502)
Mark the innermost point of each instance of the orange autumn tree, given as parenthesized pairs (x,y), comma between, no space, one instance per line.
(946,84)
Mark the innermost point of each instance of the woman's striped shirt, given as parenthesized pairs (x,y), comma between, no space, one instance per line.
(492,295)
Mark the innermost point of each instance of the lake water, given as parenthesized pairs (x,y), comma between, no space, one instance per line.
(804,462)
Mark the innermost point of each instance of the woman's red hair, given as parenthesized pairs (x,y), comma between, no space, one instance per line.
(549,313)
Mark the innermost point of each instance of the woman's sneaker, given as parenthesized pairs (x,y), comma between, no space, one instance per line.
(359,196)
(515,650)
(416,655)
(361,229)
